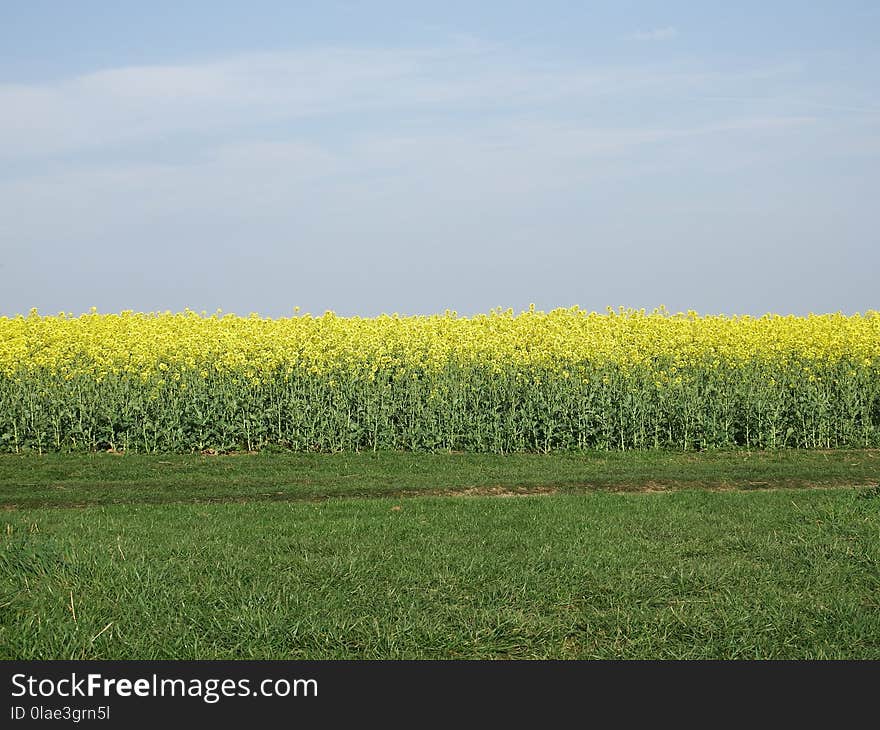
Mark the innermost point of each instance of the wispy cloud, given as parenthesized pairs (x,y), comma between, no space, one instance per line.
(187,179)
(263,131)
(266,134)
(655,34)
(238,99)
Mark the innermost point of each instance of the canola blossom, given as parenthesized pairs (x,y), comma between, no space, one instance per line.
(567,379)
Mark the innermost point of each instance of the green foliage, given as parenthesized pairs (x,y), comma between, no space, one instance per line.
(460,408)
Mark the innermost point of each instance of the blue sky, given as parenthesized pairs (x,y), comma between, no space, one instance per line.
(404,157)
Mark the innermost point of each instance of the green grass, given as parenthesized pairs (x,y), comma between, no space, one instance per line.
(146,571)
(95,479)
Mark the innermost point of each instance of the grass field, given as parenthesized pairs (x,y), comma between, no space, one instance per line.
(633,555)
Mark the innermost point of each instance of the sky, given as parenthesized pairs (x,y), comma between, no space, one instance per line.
(370,157)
